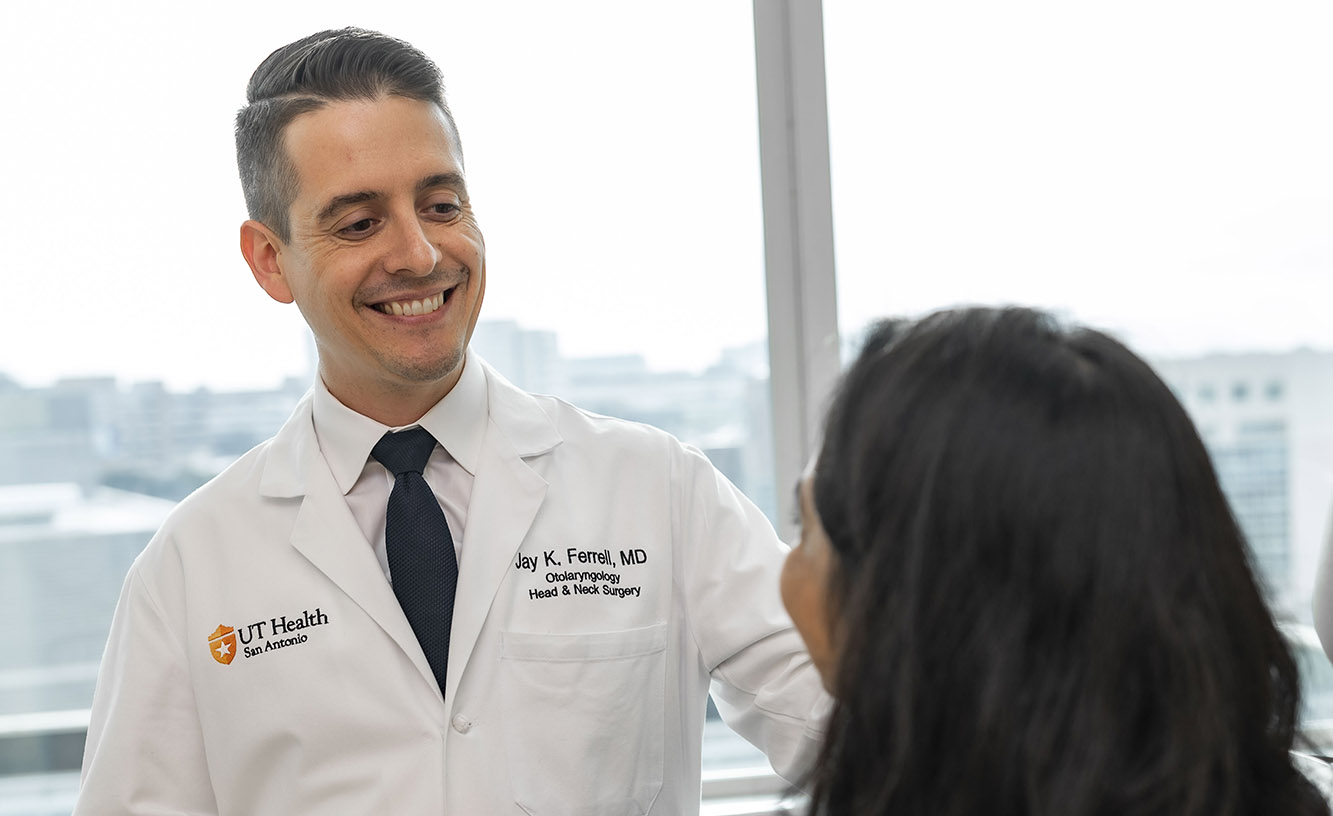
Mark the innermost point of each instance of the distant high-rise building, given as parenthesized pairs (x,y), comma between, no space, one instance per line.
(1267,421)
(526,357)
(724,411)
(56,434)
(64,551)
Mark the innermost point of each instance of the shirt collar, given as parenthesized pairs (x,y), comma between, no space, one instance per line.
(458,423)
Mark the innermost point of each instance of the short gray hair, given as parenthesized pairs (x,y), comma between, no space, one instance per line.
(303,76)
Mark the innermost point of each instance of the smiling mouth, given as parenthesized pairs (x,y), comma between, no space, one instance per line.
(414,307)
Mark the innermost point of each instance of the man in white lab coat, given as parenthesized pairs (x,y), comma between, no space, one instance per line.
(260,662)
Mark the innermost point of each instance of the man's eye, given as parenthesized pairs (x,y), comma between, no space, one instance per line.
(444,208)
(358,227)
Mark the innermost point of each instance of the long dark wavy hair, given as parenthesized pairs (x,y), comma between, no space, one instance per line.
(1042,602)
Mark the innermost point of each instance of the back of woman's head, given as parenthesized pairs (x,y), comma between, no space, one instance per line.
(1042,601)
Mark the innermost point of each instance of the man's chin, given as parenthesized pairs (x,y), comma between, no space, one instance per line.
(425,372)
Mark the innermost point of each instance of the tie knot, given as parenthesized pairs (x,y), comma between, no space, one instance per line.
(405,451)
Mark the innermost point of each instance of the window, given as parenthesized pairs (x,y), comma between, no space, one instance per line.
(613,161)
(1155,170)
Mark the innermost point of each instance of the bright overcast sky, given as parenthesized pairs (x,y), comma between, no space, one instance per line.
(1160,168)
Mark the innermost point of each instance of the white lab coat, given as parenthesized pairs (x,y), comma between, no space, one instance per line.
(585,701)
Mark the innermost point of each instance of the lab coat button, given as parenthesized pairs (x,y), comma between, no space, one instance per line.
(462,724)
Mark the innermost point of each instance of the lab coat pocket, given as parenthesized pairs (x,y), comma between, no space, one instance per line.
(584,716)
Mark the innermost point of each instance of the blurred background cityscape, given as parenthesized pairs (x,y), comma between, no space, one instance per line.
(90,467)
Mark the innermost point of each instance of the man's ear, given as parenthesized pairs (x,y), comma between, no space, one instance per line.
(262,250)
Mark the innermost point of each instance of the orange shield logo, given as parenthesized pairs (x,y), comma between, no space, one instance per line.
(222,644)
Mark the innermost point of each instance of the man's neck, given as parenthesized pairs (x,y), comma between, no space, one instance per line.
(394,404)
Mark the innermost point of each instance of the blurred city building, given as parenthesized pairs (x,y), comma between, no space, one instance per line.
(724,411)
(1265,419)
(89,468)
(64,551)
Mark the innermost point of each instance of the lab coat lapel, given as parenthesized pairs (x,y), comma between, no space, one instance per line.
(327,535)
(506,495)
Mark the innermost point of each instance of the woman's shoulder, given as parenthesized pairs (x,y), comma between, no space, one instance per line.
(1318,771)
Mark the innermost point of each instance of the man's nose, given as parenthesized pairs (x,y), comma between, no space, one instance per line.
(411,252)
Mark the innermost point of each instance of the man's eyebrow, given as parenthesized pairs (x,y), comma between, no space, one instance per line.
(451,180)
(339,202)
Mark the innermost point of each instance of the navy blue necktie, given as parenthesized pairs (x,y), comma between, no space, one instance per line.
(422,564)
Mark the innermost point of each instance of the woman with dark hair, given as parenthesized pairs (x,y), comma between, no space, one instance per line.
(1020,580)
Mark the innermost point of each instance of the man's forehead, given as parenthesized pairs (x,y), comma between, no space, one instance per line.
(372,146)
(357,125)
(374,107)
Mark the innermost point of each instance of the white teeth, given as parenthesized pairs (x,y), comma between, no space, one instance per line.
(413,307)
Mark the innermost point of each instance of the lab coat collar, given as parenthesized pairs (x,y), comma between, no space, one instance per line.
(513,413)
(457,421)
(290,452)
(518,415)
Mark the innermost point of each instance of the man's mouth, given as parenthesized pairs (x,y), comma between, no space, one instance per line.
(414,307)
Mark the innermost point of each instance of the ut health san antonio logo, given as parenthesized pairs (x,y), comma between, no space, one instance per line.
(222,644)
(263,636)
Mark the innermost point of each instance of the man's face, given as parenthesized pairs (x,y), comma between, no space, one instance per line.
(385,261)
